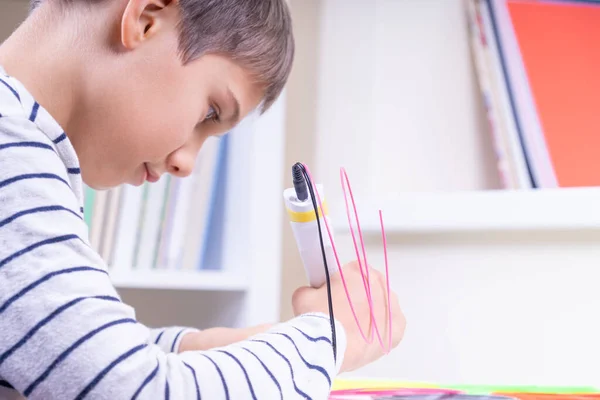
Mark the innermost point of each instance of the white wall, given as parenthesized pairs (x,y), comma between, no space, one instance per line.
(394,82)
(397,86)
(512,308)
(11,15)
(301,123)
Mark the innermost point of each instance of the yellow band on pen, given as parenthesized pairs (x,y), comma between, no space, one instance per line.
(305,216)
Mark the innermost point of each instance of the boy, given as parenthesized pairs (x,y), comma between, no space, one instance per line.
(122,91)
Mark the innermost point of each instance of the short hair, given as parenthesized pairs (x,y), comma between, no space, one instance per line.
(256,34)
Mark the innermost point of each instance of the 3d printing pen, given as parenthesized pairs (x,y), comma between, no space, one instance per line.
(303,220)
(302,202)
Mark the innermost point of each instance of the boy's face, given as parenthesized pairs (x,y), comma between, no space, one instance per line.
(148,114)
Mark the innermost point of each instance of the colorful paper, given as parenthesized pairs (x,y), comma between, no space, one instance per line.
(389,390)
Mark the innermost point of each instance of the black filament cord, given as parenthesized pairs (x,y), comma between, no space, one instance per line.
(299,172)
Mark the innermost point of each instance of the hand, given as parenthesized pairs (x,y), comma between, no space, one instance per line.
(218,337)
(358,351)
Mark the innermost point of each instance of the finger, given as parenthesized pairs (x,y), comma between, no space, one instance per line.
(400,330)
(300,298)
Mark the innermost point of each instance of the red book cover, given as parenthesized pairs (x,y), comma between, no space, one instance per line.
(559,42)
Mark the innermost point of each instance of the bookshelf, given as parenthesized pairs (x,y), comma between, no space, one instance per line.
(180,280)
(447,160)
(567,209)
(241,287)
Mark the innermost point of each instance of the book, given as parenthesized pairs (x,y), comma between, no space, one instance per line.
(150,223)
(480,48)
(110,221)
(560,58)
(171,224)
(512,163)
(97,219)
(536,62)
(122,256)
(202,203)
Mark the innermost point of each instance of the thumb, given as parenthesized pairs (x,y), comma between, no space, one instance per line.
(301,299)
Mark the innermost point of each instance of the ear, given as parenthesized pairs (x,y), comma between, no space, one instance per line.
(142,19)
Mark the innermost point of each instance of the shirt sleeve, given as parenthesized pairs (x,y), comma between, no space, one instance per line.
(169,338)
(67,334)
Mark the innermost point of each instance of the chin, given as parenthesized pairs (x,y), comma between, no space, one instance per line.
(136,184)
(104,185)
(99,188)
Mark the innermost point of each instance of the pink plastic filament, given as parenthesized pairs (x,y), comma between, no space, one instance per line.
(363,264)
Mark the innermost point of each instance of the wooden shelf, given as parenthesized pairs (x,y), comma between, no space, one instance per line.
(180,280)
(494,210)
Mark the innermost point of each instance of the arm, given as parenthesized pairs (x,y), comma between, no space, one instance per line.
(219,337)
(65,332)
(177,339)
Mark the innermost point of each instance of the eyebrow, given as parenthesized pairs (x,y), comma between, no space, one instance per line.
(236,106)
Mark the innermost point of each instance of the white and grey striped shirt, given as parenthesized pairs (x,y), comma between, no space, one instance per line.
(64,332)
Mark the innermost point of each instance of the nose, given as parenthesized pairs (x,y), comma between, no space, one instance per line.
(181,163)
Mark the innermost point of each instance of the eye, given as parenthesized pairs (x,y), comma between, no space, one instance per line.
(212,115)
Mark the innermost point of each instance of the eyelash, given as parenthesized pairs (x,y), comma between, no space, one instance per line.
(212,115)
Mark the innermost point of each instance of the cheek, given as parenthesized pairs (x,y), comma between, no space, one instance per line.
(152,111)
(160,127)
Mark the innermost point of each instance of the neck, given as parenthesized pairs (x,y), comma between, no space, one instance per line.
(43,56)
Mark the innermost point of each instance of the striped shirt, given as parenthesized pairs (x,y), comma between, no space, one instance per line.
(64,331)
